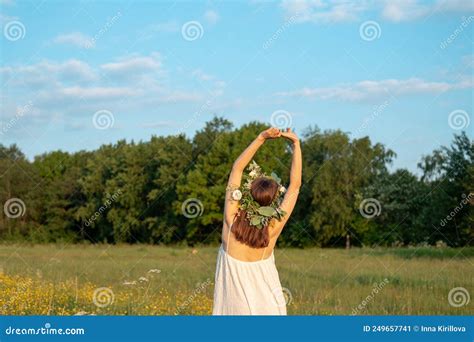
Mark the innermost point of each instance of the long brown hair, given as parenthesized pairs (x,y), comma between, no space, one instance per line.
(263,191)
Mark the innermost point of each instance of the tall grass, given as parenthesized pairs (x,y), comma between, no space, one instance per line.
(61,279)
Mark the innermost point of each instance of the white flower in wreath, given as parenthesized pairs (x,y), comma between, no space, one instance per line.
(253,173)
(236,195)
(282,189)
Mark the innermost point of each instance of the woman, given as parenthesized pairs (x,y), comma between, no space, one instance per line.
(247,281)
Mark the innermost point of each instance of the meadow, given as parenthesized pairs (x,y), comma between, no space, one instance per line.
(156,280)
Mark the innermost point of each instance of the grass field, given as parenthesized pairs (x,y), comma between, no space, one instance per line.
(153,280)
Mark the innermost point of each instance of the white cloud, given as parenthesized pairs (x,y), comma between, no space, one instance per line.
(211,16)
(404,10)
(201,75)
(366,90)
(133,65)
(323,11)
(74,70)
(77,39)
(48,73)
(455,5)
(73,89)
(336,11)
(98,93)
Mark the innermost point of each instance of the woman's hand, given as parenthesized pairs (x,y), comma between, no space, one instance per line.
(290,135)
(271,133)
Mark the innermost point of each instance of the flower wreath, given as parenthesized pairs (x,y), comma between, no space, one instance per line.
(258,216)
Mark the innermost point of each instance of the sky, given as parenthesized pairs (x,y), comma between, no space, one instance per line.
(78,74)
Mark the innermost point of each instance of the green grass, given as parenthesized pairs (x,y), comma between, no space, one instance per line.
(321,281)
(426,252)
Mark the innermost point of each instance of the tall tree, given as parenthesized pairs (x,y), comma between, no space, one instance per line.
(336,171)
(448,211)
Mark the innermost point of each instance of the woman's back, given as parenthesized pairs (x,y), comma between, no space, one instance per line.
(243,252)
(247,281)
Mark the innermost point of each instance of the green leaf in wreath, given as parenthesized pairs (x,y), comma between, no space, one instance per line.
(255,221)
(266,211)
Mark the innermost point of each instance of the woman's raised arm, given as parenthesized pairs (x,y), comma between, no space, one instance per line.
(289,201)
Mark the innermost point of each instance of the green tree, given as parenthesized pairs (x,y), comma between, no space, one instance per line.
(57,196)
(449,173)
(16,179)
(336,170)
(401,195)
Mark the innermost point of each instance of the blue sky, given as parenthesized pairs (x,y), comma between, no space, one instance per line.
(78,74)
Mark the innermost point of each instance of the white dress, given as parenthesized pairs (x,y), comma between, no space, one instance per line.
(247,287)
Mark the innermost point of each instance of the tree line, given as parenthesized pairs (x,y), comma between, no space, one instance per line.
(170,190)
